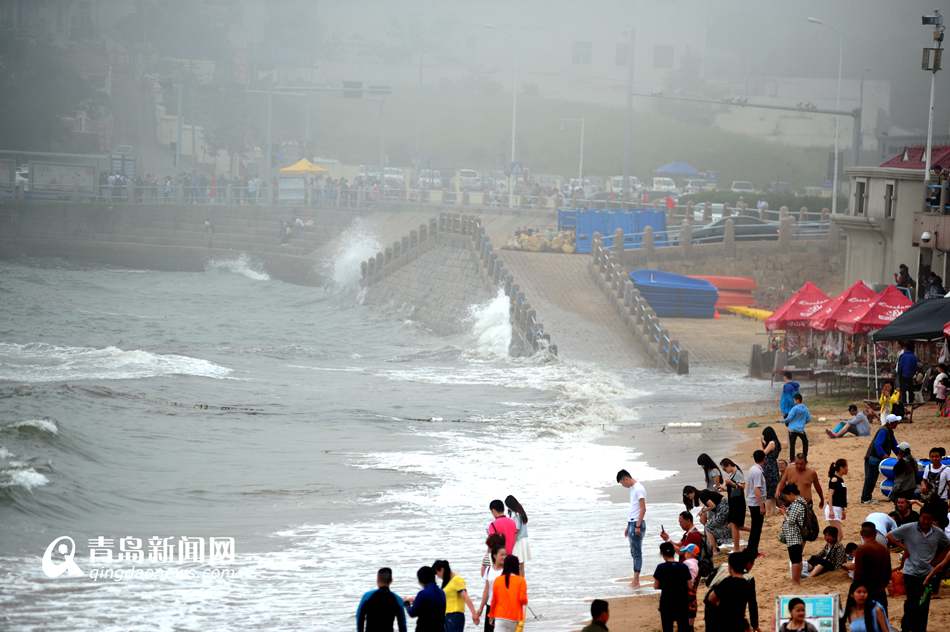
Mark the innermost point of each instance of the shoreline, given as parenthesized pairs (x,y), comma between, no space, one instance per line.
(640,610)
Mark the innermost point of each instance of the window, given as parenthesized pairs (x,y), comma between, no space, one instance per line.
(621,55)
(859,192)
(889,200)
(663,56)
(583,52)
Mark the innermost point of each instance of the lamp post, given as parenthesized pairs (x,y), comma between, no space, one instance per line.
(514,106)
(931,62)
(834,178)
(580,156)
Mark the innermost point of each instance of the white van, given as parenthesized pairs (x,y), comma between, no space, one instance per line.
(664,185)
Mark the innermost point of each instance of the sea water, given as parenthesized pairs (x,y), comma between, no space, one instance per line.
(326,438)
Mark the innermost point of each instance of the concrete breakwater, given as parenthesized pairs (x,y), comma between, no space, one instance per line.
(609,273)
(440,269)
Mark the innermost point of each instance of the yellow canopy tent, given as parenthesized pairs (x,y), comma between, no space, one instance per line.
(302,167)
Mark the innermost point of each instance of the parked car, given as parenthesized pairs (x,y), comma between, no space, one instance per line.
(22,178)
(429,179)
(394,178)
(780,187)
(742,186)
(469,180)
(616,184)
(694,185)
(664,185)
(747,228)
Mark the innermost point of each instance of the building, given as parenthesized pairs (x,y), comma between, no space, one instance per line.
(888,216)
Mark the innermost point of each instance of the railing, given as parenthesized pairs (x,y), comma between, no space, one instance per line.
(635,311)
(674,236)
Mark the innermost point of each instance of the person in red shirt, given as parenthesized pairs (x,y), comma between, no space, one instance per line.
(502,525)
(691,534)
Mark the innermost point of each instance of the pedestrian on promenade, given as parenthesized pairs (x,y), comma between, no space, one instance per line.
(872,565)
(731,597)
(805,479)
(509,597)
(772,448)
(428,606)
(456,597)
(789,388)
(517,513)
(502,525)
(922,541)
(796,419)
(599,614)
(792,529)
(862,613)
(734,487)
(380,608)
(881,446)
(755,495)
(672,579)
(636,525)
(837,509)
(711,472)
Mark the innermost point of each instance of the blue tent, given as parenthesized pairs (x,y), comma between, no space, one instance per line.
(677,170)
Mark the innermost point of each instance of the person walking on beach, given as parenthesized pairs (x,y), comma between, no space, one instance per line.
(517,513)
(872,565)
(796,618)
(734,487)
(428,606)
(636,525)
(599,615)
(494,571)
(862,613)
(837,509)
(881,446)
(672,579)
(792,529)
(456,597)
(772,448)
(805,479)
(755,495)
(731,597)
(922,542)
(502,525)
(789,389)
(380,608)
(711,473)
(509,597)
(796,419)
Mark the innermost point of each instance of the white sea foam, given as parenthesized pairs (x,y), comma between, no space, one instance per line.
(491,326)
(41,362)
(44,425)
(5,454)
(241,265)
(355,245)
(26,478)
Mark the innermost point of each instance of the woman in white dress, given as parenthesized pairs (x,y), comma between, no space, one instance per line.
(517,513)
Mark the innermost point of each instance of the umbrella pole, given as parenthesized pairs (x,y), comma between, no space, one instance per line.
(874,349)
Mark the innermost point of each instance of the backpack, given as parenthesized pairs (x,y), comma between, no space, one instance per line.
(810,527)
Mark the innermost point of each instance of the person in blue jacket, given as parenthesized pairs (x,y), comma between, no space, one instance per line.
(788,393)
(795,420)
(428,606)
(906,368)
(380,608)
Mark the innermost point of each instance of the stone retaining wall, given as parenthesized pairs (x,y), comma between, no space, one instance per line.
(444,267)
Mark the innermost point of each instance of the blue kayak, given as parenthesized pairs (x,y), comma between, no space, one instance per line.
(675,295)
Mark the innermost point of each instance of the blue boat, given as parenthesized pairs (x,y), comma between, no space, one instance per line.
(675,295)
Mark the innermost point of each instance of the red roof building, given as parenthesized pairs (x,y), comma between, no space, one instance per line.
(913,158)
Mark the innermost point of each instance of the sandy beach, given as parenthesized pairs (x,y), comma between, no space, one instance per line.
(639,612)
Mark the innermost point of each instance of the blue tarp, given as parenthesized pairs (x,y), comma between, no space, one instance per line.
(677,169)
(633,222)
(675,295)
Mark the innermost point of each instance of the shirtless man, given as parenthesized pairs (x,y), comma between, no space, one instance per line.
(803,476)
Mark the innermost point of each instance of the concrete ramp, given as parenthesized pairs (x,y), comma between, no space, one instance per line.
(575,311)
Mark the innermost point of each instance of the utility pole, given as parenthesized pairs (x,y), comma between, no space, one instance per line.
(931,63)
(270,138)
(580,161)
(628,121)
(382,143)
(178,117)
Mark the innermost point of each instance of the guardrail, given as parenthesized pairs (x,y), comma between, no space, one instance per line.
(673,236)
(611,276)
(525,324)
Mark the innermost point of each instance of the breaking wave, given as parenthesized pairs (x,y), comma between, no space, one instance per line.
(241,265)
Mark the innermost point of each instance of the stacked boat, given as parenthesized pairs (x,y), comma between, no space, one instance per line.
(676,295)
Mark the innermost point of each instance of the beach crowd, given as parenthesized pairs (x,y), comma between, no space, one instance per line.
(708,563)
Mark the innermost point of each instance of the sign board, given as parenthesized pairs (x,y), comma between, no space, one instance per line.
(7,174)
(820,610)
(54,176)
(292,190)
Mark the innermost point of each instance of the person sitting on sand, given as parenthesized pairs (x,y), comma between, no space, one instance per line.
(831,557)
(796,621)
(599,615)
(857,425)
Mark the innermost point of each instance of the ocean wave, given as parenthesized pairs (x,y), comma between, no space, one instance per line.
(47,426)
(41,362)
(355,245)
(491,326)
(241,265)
(27,478)
(5,454)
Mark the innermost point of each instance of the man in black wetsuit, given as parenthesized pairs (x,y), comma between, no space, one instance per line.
(380,608)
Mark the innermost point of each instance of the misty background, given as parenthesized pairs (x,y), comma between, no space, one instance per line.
(87,76)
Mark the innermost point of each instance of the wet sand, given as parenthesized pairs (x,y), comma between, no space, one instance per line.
(639,612)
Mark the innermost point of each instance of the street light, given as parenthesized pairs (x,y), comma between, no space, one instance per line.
(931,63)
(514,103)
(580,158)
(834,178)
